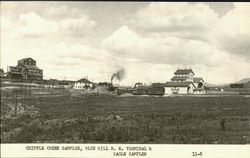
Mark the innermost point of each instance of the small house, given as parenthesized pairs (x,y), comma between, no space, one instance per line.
(83,84)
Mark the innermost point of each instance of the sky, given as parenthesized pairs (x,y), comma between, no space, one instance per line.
(149,40)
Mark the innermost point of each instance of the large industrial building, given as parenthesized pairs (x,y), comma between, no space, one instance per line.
(26,70)
(184,82)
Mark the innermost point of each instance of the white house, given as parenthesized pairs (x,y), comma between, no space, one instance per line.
(83,84)
(179,87)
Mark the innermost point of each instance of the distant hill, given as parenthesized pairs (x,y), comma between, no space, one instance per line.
(209,84)
(216,85)
(244,80)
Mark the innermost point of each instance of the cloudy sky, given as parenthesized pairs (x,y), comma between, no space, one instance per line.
(72,40)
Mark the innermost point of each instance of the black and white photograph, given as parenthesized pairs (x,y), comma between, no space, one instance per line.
(83,72)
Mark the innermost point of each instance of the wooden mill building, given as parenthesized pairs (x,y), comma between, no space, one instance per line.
(25,71)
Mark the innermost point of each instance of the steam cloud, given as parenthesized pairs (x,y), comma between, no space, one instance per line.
(119,75)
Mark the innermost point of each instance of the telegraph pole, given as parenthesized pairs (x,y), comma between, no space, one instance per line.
(16,103)
(29,94)
(22,94)
(25,96)
(13,99)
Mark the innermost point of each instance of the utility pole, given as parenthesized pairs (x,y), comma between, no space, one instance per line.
(16,103)
(25,96)
(13,99)
(29,94)
(22,94)
(7,97)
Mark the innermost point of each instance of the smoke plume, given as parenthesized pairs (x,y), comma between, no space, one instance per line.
(119,75)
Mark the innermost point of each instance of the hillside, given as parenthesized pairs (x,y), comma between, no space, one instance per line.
(244,80)
(209,84)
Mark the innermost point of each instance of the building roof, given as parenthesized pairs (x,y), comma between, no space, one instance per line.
(15,69)
(25,59)
(84,80)
(158,85)
(178,84)
(34,67)
(182,78)
(183,71)
(198,79)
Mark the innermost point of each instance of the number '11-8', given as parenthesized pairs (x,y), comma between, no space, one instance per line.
(196,153)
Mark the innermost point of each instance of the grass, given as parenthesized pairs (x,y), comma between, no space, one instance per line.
(111,119)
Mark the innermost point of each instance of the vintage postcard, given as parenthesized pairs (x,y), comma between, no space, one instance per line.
(125,79)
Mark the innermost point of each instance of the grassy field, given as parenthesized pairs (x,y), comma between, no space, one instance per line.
(112,119)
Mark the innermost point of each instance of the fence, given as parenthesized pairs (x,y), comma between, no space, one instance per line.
(14,95)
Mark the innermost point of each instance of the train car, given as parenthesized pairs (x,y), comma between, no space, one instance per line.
(143,90)
(156,91)
(124,90)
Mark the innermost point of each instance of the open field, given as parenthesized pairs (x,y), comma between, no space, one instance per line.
(135,119)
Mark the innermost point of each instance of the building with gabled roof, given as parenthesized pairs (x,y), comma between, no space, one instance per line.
(26,70)
(187,75)
(84,80)
(29,69)
(83,84)
(184,82)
